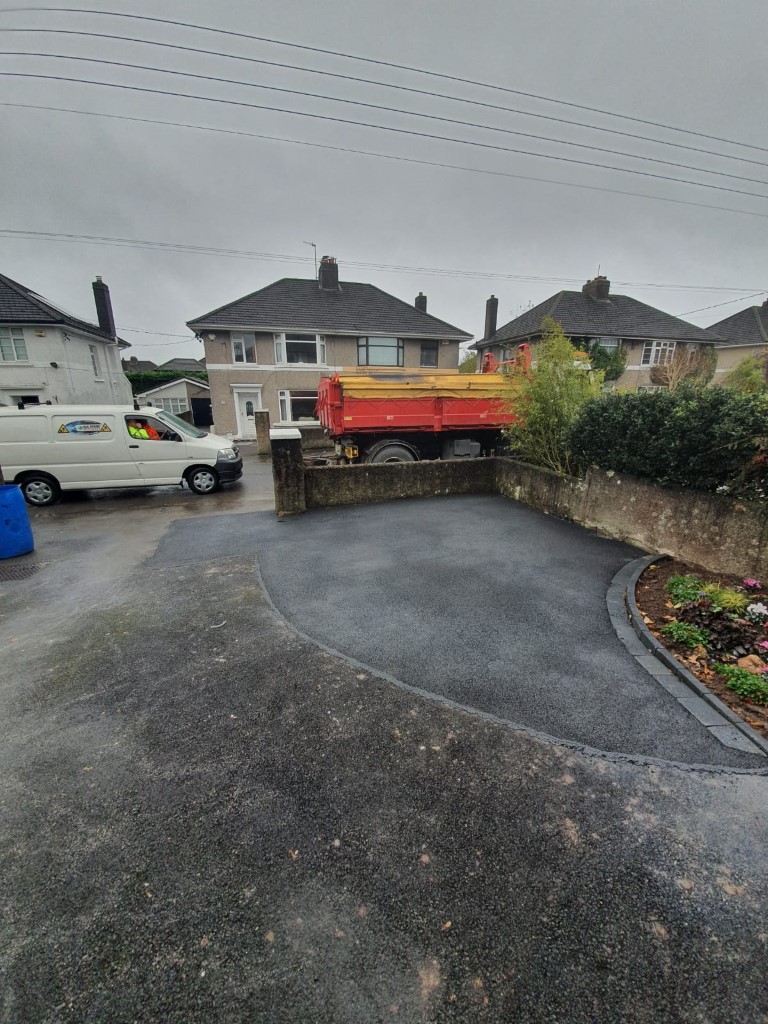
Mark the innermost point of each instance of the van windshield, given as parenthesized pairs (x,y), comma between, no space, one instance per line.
(174,421)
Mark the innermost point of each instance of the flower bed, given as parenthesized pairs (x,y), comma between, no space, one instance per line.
(717,627)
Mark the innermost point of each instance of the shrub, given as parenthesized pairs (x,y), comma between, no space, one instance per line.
(749,376)
(685,633)
(746,684)
(684,588)
(612,362)
(548,399)
(691,436)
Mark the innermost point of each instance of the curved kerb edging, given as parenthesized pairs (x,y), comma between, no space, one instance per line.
(689,691)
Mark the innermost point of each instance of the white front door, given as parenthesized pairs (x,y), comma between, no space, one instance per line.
(247,402)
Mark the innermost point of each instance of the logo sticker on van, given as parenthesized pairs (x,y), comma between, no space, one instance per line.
(84,427)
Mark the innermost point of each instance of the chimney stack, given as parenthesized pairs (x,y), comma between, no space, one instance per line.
(598,289)
(421,302)
(491,313)
(328,275)
(104,307)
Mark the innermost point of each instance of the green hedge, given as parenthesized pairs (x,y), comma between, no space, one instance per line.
(696,437)
(144,380)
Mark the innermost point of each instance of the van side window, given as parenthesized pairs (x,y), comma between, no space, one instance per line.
(147,428)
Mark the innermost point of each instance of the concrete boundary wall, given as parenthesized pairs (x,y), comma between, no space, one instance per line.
(708,530)
(357,485)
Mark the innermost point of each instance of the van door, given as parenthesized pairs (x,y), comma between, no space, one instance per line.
(87,450)
(160,453)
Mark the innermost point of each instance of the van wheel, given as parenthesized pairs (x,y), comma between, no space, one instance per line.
(39,489)
(203,480)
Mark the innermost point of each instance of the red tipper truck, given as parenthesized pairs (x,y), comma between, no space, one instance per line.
(401,417)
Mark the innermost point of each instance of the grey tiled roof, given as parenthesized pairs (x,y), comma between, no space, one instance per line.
(19,305)
(295,304)
(138,365)
(748,327)
(619,317)
(180,363)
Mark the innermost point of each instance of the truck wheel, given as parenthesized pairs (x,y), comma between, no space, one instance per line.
(391,452)
(39,489)
(203,480)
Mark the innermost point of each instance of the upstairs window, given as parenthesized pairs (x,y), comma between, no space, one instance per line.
(12,344)
(658,353)
(380,351)
(95,361)
(306,349)
(428,354)
(244,348)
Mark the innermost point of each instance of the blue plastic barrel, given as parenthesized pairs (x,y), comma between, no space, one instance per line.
(15,531)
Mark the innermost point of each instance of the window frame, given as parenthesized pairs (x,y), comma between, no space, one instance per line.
(239,338)
(14,339)
(283,340)
(95,362)
(613,346)
(364,345)
(654,350)
(433,346)
(183,405)
(285,399)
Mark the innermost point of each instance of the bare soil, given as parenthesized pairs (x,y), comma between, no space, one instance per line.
(656,606)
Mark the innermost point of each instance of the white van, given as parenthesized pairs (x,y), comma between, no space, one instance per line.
(47,449)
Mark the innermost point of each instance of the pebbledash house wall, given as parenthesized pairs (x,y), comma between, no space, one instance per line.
(730,356)
(340,354)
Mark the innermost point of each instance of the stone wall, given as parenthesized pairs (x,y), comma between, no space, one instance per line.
(357,485)
(708,530)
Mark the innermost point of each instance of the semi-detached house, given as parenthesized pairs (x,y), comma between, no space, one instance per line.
(270,349)
(47,355)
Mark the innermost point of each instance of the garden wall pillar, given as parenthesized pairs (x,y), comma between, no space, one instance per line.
(261,422)
(287,470)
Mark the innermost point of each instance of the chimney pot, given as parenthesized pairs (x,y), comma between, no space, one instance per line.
(421,302)
(328,275)
(491,313)
(104,307)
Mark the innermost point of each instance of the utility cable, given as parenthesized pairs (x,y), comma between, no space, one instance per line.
(384,108)
(380,127)
(381,63)
(389,85)
(385,156)
(205,250)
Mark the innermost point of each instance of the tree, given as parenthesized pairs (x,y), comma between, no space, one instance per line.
(547,398)
(691,365)
(750,376)
(468,365)
(612,361)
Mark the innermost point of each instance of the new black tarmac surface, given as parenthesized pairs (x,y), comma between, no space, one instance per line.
(207,817)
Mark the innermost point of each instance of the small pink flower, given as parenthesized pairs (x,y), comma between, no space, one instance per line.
(751,584)
(763,645)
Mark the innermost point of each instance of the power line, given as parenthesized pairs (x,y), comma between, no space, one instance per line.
(380,127)
(389,85)
(383,63)
(387,109)
(742,298)
(386,156)
(397,268)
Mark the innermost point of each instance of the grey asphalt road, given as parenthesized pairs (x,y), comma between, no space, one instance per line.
(207,818)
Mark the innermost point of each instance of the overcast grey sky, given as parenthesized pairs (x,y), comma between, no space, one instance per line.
(693,64)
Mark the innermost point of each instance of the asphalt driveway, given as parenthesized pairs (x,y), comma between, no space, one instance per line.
(478,600)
